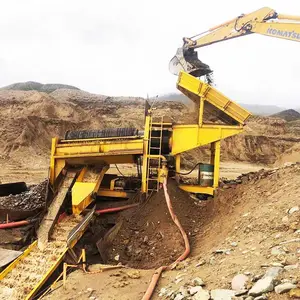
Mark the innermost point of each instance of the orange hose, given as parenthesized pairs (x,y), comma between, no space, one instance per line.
(115,209)
(14,224)
(149,292)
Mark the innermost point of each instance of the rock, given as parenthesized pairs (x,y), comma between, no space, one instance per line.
(162,292)
(89,289)
(221,251)
(277,264)
(277,251)
(262,297)
(92,298)
(117,257)
(291,267)
(197,281)
(293,210)
(134,274)
(212,261)
(263,285)
(234,244)
(200,263)
(294,226)
(222,294)
(183,290)
(294,293)
(249,298)
(273,272)
(195,289)
(285,219)
(179,296)
(239,282)
(201,295)
(284,287)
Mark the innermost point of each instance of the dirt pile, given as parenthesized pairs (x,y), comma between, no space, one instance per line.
(32,199)
(148,237)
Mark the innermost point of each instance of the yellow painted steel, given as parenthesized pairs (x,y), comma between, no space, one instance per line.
(92,152)
(255,22)
(197,189)
(196,89)
(113,193)
(188,137)
(98,146)
(47,275)
(215,160)
(177,167)
(287,31)
(145,153)
(44,278)
(16,261)
(82,191)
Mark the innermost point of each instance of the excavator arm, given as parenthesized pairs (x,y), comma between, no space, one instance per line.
(265,21)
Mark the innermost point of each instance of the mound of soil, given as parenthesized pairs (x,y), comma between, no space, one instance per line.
(148,238)
(32,199)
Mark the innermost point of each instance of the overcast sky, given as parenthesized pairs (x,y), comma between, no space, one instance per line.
(120,47)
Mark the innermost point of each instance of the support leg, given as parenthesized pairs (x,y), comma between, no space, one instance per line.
(177,167)
(215,160)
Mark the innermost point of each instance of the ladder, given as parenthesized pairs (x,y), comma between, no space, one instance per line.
(154,160)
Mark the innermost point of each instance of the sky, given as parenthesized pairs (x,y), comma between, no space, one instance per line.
(123,48)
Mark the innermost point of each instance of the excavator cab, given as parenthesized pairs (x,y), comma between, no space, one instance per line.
(186,59)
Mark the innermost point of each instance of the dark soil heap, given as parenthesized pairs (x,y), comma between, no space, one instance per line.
(32,199)
(148,238)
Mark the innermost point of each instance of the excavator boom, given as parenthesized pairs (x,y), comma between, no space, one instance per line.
(265,21)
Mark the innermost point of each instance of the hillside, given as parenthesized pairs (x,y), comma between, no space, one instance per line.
(256,109)
(288,115)
(29,119)
(36,86)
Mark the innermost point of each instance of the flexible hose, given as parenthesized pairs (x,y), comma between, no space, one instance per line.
(149,292)
(100,211)
(14,224)
(189,172)
(115,209)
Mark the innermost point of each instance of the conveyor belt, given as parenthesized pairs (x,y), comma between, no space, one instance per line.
(53,210)
(24,277)
(27,274)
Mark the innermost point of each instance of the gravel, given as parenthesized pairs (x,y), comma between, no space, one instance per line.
(29,200)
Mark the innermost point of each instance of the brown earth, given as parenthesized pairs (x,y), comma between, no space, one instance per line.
(148,238)
(247,228)
(29,119)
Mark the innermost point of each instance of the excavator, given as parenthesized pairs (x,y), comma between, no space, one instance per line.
(265,21)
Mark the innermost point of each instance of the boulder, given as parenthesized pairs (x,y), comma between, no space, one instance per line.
(284,287)
(263,285)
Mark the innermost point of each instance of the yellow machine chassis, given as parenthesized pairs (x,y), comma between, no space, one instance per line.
(126,149)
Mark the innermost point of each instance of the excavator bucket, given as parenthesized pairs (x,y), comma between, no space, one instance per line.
(187,60)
